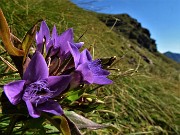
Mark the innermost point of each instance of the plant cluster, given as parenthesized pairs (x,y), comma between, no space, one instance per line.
(56,80)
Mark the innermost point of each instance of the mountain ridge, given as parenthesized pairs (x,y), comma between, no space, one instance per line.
(131,28)
(173,56)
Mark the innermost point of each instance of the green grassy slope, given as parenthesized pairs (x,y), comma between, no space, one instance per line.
(140,102)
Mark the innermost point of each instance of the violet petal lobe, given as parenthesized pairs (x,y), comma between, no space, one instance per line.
(54,32)
(79,45)
(86,72)
(51,106)
(55,37)
(75,53)
(57,84)
(37,68)
(43,33)
(102,80)
(33,112)
(45,30)
(66,36)
(14,91)
(63,40)
(95,67)
(85,56)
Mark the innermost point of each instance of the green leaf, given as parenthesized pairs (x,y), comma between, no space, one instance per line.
(28,40)
(64,126)
(74,129)
(82,122)
(74,95)
(59,122)
(6,37)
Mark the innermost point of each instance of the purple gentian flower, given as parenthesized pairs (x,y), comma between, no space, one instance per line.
(89,69)
(57,50)
(57,43)
(37,89)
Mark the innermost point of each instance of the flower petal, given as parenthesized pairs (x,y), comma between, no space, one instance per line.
(66,36)
(49,44)
(63,40)
(85,57)
(14,91)
(95,67)
(33,112)
(37,68)
(54,32)
(55,37)
(58,83)
(43,33)
(86,73)
(79,45)
(75,53)
(51,107)
(102,80)
(44,30)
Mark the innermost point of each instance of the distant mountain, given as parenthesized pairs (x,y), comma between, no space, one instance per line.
(129,27)
(173,56)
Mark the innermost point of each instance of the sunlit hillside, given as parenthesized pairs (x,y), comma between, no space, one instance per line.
(145,95)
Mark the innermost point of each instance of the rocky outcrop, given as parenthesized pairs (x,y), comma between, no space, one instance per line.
(131,28)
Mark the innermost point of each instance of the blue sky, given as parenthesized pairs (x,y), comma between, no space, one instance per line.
(161,17)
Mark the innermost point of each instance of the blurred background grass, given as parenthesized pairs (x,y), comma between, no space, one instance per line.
(143,102)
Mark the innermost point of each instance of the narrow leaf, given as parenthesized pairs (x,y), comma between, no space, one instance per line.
(74,129)
(74,95)
(28,40)
(82,122)
(63,125)
(6,37)
(59,122)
